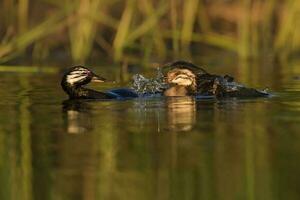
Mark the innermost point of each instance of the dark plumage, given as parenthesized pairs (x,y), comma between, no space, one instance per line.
(76,77)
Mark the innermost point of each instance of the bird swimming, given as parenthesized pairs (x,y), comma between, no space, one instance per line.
(182,82)
(186,79)
(183,78)
(75,78)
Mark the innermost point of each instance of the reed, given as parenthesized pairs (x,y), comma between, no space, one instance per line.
(123,29)
(203,18)
(13,48)
(189,17)
(151,28)
(23,15)
(212,39)
(154,14)
(288,38)
(269,25)
(174,17)
(244,29)
(7,13)
(82,32)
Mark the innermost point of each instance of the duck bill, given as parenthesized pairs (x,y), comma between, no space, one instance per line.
(98,79)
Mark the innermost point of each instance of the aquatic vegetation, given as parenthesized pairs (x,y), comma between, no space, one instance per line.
(82,30)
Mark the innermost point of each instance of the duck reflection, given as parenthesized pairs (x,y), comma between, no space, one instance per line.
(181,113)
(77,116)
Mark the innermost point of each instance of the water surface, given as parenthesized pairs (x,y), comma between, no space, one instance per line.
(159,148)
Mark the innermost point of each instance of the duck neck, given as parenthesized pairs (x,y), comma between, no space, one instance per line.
(79,92)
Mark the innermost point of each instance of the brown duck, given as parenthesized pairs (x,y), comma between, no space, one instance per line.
(186,79)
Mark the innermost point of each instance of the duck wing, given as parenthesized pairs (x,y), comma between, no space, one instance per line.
(225,86)
(240,92)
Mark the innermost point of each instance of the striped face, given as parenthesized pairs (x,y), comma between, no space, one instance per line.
(81,75)
(183,77)
(78,75)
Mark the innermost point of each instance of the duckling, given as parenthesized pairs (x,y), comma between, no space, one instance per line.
(187,79)
(76,77)
(182,82)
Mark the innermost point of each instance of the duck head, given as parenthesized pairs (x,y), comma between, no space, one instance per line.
(182,77)
(182,82)
(79,75)
(75,78)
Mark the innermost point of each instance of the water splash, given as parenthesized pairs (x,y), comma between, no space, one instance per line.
(149,86)
(230,85)
(266,90)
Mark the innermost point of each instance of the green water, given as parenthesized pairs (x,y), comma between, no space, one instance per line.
(176,148)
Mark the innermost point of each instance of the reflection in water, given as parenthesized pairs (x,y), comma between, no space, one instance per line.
(166,114)
(181,113)
(16,154)
(77,116)
(234,149)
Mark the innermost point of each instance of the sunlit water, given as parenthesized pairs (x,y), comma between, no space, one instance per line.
(149,148)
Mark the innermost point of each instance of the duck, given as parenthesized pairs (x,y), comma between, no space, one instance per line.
(187,79)
(182,82)
(75,78)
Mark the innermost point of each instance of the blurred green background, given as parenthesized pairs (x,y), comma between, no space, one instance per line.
(144,31)
(180,148)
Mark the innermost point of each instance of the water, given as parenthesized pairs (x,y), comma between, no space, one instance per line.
(158,148)
(149,86)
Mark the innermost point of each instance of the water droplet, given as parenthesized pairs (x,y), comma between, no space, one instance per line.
(144,86)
